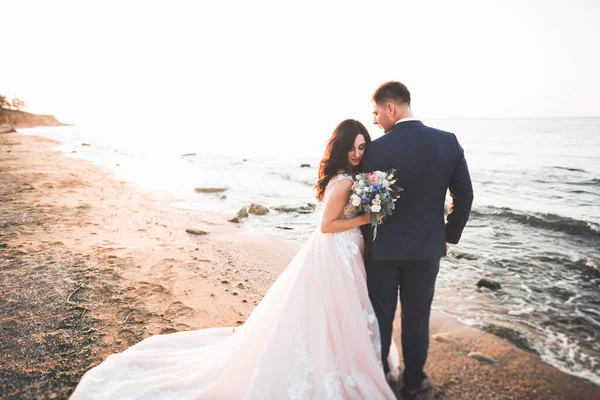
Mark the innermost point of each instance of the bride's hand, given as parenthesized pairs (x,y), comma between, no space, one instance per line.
(367,218)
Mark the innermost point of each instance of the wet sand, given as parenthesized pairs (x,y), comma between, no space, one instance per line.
(91,265)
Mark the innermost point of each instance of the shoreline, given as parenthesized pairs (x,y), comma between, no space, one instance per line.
(92,265)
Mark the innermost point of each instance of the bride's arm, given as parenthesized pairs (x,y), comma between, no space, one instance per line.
(334,205)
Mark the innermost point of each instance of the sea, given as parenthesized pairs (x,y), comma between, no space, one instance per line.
(534,228)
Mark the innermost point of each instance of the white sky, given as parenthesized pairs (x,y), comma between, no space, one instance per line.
(215,63)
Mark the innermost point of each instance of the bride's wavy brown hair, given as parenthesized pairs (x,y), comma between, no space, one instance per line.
(338,146)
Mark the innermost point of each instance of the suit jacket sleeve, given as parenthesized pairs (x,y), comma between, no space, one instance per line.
(461,191)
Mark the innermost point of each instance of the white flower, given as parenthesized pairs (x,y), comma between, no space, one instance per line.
(377,196)
(390,177)
(355,200)
(359,190)
(375,208)
(386,183)
(380,175)
(392,182)
(376,201)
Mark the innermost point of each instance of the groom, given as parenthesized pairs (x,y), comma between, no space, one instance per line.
(405,257)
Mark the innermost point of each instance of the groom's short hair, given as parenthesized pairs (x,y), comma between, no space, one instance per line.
(392,91)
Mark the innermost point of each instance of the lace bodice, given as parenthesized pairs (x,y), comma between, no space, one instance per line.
(349,210)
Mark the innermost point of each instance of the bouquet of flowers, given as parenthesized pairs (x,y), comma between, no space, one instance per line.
(375,192)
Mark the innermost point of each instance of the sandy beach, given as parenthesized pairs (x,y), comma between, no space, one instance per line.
(91,265)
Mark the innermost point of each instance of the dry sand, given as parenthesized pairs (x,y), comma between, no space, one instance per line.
(91,265)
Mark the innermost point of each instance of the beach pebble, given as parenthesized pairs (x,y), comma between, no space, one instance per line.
(257,209)
(6,128)
(235,220)
(188,154)
(488,283)
(86,144)
(441,338)
(466,256)
(481,357)
(242,213)
(210,190)
(194,231)
(304,165)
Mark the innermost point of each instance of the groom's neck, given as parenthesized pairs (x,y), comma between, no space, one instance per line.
(405,112)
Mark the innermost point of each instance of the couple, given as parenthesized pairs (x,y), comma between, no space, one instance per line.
(324,329)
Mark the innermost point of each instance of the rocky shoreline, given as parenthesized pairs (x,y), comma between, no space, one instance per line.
(10,120)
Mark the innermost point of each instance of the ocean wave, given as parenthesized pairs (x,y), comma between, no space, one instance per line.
(551,222)
(569,169)
(590,182)
(291,178)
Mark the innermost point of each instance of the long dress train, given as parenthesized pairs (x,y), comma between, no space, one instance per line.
(313,336)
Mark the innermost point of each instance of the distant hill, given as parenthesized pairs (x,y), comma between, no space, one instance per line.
(22,119)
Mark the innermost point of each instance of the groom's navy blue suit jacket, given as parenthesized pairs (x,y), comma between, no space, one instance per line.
(428,163)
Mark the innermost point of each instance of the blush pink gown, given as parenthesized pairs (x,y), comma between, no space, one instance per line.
(313,336)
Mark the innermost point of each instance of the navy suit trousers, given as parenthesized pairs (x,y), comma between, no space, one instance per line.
(415,282)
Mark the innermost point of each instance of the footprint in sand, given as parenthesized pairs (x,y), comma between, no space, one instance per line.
(178,309)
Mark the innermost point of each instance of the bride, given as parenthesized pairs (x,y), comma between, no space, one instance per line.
(313,336)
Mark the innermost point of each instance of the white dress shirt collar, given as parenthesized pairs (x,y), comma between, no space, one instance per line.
(406,119)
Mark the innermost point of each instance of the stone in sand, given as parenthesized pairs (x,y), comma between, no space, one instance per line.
(210,190)
(488,283)
(235,220)
(513,336)
(242,213)
(481,357)
(194,231)
(257,209)
(7,128)
(188,155)
(304,165)
(441,338)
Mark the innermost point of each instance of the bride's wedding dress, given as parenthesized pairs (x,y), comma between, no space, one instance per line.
(313,336)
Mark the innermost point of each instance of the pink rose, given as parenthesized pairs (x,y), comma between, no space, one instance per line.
(373,178)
